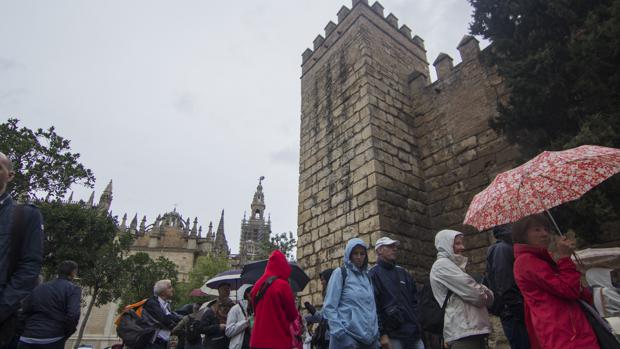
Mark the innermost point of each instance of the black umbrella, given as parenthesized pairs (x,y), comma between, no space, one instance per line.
(253,271)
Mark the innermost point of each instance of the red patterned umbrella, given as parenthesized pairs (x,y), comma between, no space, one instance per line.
(546,181)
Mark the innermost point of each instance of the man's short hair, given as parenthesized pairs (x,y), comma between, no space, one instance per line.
(9,163)
(519,229)
(161,285)
(65,268)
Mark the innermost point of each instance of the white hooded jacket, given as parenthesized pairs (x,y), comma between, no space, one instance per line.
(237,320)
(466,313)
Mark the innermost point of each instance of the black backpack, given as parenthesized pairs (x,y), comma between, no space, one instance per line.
(192,331)
(431,314)
(133,330)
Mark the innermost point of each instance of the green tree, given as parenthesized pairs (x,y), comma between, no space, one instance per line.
(561,63)
(284,242)
(89,237)
(204,268)
(140,272)
(44,165)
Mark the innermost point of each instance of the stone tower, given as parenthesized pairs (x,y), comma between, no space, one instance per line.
(255,229)
(385,152)
(105,201)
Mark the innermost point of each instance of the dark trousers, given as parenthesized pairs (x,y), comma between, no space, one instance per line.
(56,345)
(515,331)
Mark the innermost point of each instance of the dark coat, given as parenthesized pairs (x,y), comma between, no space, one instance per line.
(394,289)
(215,337)
(15,287)
(155,315)
(52,310)
(500,261)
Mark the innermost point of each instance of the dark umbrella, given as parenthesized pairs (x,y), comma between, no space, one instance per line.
(253,271)
(230,277)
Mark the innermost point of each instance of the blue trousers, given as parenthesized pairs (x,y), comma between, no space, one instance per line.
(515,331)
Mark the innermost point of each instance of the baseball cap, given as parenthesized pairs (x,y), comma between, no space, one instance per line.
(385,241)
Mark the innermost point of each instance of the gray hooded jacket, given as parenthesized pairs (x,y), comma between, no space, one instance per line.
(466,313)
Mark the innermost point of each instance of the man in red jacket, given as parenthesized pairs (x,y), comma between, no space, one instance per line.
(274,309)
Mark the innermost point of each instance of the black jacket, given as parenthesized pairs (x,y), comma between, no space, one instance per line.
(215,338)
(155,316)
(397,302)
(15,287)
(52,310)
(500,260)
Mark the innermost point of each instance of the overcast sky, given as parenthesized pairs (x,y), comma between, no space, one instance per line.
(184,102)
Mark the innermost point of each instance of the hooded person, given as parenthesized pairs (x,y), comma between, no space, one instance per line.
(274,305)
(466,320)
(349,305)
(238,324)
(606,296)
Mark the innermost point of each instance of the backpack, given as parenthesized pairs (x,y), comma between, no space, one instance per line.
(431,314)
(132,328)
(192,331)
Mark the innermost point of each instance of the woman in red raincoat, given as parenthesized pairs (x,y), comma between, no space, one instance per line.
(275,311)
(551,289)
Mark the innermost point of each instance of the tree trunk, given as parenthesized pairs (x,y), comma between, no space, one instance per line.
(78,339)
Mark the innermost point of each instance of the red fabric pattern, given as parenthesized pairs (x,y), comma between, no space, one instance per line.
(276,310)
(546,181)
(553,316)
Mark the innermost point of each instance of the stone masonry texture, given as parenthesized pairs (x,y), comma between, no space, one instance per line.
(385,152)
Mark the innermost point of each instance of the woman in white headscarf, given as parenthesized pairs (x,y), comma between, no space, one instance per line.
(606,296)
(466,320)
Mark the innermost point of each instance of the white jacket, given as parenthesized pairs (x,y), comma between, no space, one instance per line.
(466,313)
(236,323)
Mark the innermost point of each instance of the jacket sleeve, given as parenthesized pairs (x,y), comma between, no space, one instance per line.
(503,277)
(155,311)
(330,306)
(566,283)
(374,280)
(73,310)
(28,267)
(235,322)
(288,301)
(463,285)
(180,327)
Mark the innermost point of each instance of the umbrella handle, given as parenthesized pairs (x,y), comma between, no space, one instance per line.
(579,261)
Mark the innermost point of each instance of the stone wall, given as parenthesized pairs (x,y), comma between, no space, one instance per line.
(383,151)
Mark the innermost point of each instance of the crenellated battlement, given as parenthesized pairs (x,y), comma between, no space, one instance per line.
(347,17)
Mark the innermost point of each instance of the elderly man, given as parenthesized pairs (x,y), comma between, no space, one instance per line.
(157,313)
(21,253)
(396,299)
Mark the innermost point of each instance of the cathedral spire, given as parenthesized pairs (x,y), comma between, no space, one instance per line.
(221,245)
(91,200)
(258,203)
(105,201)
(194,228)
(123,225)
(210,231)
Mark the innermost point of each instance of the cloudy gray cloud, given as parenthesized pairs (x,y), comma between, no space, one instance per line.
(185,102)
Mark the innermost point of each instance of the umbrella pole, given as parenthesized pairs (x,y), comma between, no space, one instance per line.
(554,223)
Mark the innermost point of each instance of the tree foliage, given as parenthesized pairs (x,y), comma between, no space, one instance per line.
(140,272)
(561,63)
(204,268)
(284,242)
(89,237)
(44,165)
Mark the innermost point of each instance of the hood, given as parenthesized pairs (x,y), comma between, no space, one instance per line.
(347,253)
(444,242)
(242,290)
(278,265)
(599,277)
(503,232)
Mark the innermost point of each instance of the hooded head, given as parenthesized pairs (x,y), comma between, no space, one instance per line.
(242,290)
(347,253)
(444,243)
(278,265)
(503,232)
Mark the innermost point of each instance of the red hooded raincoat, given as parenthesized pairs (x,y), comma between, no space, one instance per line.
(276,310)
(551,291)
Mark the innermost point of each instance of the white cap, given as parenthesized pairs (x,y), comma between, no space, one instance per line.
(385,241)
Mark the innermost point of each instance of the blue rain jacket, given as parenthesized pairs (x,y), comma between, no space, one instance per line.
(350,310)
